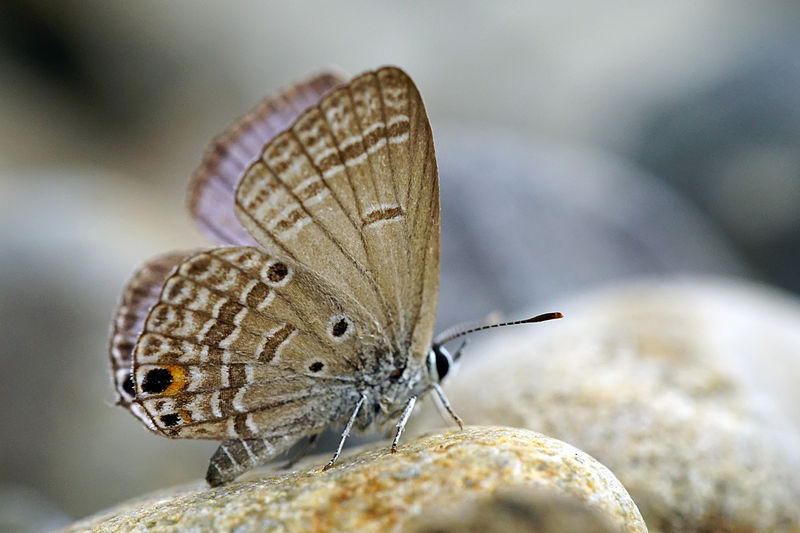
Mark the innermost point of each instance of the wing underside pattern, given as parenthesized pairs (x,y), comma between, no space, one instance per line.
(351,192)
(334,265)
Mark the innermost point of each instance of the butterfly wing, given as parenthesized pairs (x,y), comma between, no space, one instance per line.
(139,296)
(243,345)
(211,190)
(261,346)
(350,191)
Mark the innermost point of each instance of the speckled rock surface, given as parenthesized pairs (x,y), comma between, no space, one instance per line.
(516,510)
(686,390)
(379,491)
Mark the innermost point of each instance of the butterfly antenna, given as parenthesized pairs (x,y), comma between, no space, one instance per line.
(454,333)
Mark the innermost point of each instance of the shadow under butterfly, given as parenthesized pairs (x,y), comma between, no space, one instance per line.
(319,308)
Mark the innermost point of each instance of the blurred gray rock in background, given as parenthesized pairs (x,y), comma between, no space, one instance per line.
(68,245)
(732,147)
(524,221)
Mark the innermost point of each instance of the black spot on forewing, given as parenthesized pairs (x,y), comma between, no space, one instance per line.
(339,328)
(316,366)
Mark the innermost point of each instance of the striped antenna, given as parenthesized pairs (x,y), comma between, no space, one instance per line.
(449,335)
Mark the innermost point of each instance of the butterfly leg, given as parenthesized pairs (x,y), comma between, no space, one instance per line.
(236,456)
(446,404)
(346,431)
(401,424)
(307,447)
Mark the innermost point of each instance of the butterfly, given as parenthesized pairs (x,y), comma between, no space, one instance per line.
(319,308)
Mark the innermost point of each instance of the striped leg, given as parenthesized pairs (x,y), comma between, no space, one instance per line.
(346,432)
(446,403)
(401,424)
(236,456)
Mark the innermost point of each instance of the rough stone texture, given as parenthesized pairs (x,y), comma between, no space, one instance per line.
(516,510)
(379,491)
(687,390)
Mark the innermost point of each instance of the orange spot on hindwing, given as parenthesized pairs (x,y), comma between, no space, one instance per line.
(178,374)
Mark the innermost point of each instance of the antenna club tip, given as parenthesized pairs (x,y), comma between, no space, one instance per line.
(545,316)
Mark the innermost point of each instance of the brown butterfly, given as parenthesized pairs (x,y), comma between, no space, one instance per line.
(321,308)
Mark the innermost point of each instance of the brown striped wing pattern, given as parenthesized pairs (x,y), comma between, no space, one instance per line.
(242,345)
(333,274)
(351,192)
(211,190)
(139,296)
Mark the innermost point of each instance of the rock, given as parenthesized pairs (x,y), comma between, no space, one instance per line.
(730,145)
(685,389)
(379,491)
(516,510)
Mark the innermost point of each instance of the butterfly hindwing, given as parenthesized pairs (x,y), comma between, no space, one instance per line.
(211,190)
(139,296)
(240,340)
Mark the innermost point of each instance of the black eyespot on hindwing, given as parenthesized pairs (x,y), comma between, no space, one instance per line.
(276,272)
(157,380)
(170,420)
(127,386)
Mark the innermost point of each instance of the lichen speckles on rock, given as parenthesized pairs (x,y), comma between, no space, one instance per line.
(379,491)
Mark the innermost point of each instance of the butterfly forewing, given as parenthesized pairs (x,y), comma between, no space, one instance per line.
(416,179)
(211,190)
(353,152)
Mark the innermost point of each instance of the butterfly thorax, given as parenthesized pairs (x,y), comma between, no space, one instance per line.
(388,385)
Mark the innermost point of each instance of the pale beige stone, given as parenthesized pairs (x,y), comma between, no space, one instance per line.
(516,510)
(686,390)
(379,491)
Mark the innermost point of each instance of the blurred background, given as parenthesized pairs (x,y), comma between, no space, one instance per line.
(579,143)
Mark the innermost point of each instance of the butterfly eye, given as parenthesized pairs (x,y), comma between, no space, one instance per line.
(442,360)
